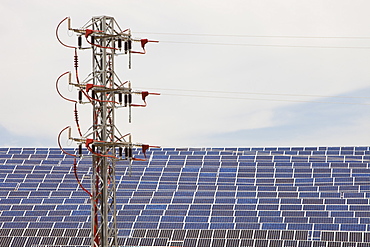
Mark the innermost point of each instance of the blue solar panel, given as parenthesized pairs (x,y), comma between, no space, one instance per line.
(145,225)
(247,226)
(296,220)
(224,225)
(269,213)
(176,212)
(298,226)
(199,213)
(16,225)
(36,213)
(166,225)
(12,213)
(313,189)
(291,207)
(275,226)
(326,227)
(196,225)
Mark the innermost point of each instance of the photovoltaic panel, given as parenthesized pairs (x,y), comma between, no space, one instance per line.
(277,190)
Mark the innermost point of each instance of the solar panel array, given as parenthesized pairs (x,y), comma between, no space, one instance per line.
(299,196)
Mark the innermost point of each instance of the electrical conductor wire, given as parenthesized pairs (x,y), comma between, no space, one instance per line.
(259,36)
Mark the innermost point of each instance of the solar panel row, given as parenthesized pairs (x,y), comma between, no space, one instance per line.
(201,242)
(186,237)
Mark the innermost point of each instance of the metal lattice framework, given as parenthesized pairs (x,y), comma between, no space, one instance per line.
(103,180)
(104,141)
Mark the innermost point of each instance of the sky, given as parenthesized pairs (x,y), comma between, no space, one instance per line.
(234,73)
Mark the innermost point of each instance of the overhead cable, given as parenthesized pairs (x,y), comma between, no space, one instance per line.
(283,100)
(260,36)
(267,45)
(274,94)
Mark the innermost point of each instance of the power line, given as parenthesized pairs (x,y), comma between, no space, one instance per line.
(256,93)
(260,99)
(283,100)
(260,36)
(266,45)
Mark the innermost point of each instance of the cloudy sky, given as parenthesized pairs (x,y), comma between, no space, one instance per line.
(231,73)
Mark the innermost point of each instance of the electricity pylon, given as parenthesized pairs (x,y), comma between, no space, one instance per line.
(104,141)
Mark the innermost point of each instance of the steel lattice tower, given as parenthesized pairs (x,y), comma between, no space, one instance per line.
(103,179)
(104,141)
